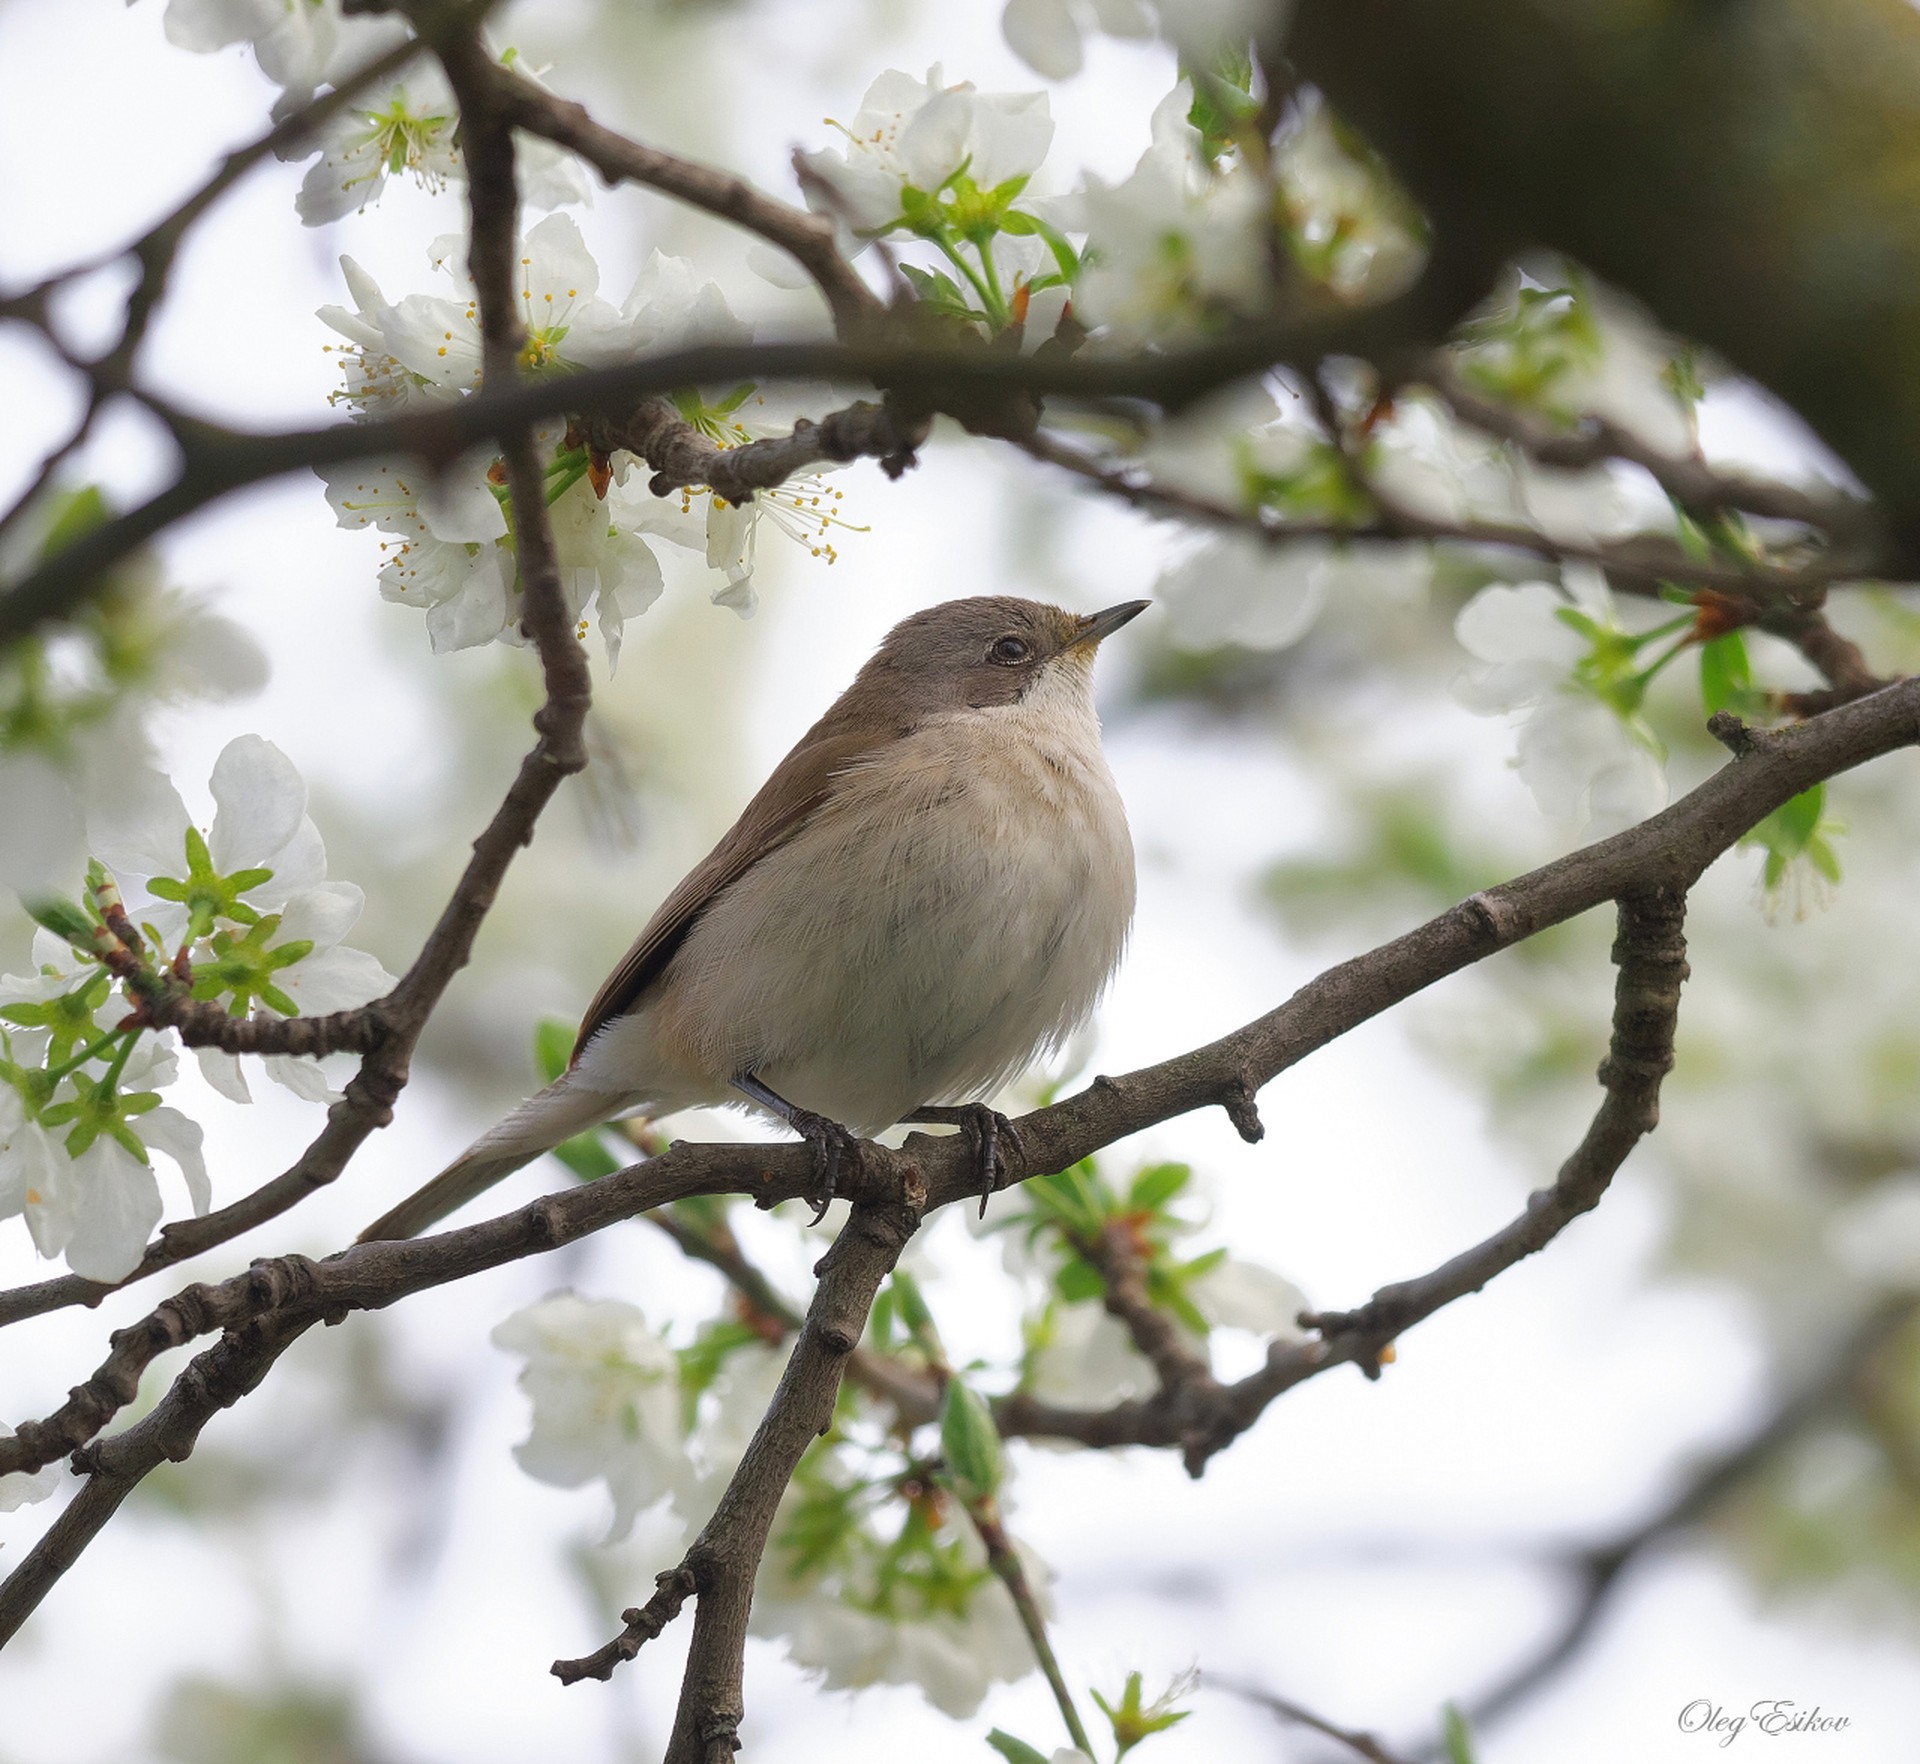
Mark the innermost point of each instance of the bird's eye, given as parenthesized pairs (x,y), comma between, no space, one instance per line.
(1009,652)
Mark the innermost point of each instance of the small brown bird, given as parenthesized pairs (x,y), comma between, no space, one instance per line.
(932,889)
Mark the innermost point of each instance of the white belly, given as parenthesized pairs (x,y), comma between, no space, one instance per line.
(954,912)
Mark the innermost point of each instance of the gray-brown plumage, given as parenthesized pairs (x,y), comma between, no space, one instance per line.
(931,889)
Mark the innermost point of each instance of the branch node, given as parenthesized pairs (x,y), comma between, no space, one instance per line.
(1243,1111)
(1732,734)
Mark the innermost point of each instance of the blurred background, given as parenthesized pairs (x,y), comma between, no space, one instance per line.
(351,1566)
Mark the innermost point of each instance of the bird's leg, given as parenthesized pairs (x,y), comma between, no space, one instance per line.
(985,1128)
(834,1148)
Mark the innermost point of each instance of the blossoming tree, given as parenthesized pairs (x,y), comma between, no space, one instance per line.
(1397,402)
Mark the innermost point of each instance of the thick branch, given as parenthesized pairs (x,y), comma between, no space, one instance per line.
(726,1556)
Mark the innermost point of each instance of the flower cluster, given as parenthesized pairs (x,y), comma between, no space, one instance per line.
(243,916)
(1078,1354)
(948,165)
(449,548)
(1560,656)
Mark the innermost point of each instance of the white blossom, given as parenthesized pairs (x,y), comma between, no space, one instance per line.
(606,1401)
(411,126)
(920,135)
(954,1657)
(1584,761)
(1233,1294)
(1240,589)
(1086,1359)
(1181,244)
(299,44)
(261,822)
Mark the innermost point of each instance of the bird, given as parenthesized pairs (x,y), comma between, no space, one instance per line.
(931,891)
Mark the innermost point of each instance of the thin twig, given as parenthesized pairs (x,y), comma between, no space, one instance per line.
(1362,1744)
(1005,1562)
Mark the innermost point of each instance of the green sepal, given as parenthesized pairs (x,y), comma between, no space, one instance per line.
(1015,1751)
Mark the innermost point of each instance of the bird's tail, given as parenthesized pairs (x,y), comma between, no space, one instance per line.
(540,1123)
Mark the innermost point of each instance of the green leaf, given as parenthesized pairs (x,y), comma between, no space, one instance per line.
(586,1155)
(1015,1751)
(1158,1184)
(1726,675)
(76,515)
(1459,1739)
(1079,1280)
(913,1305)
(553,1039)
(970,1442)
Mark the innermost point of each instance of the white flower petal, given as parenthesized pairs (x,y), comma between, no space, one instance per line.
(304,1076)
(167,1130)
(224,1072)
(322,914)
(115,1207)
(260,800)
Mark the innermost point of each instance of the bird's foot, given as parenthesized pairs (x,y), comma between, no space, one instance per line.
(986,1131)
(836,1159)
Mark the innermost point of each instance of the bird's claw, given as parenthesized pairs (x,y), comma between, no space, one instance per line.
(835,1152)
(986,1129)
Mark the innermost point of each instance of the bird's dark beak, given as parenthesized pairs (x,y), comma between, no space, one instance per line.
(1097,626)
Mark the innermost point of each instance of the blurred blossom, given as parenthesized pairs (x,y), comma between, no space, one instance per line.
(1046,34)
(1080,1357)
(1352,229)
(1562,660)
(77,758)
(927,1612)
(1233,1294)
(1181,245)
(1242,589)
(299,44)
(606,1402)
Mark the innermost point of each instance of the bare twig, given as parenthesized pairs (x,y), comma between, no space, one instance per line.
(673,1588)
(1599,1569)
(1005,1562)
(1363,1745)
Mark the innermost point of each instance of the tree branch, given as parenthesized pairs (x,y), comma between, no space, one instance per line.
(726,1556)
(810,239)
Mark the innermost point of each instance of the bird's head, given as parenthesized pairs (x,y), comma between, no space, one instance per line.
(991,650)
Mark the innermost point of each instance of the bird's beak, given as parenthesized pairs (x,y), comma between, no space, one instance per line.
(1097,626)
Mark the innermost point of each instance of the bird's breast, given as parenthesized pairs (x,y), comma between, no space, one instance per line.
(956,906)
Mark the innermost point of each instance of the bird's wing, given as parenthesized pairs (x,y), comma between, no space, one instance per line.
(801,782)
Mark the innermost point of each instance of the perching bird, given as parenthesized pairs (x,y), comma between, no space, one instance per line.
(931,890)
